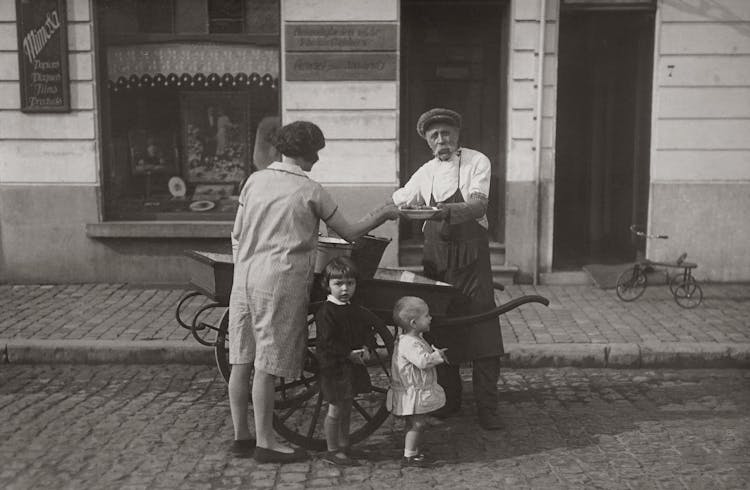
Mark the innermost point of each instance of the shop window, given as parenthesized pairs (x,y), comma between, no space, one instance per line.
(191,92)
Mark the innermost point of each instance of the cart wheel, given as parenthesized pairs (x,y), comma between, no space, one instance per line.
(686,291)
(298,408)
(301,419)
(287,392)
(631,284)
(221,347)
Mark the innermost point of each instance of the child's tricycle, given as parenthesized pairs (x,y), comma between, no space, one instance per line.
(298,412)
(684,288)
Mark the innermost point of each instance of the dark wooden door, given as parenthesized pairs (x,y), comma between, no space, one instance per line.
(451,57)
(603,134)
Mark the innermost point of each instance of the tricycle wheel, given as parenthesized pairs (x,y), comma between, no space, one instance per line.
(631,284)
(301,420)
(686,291)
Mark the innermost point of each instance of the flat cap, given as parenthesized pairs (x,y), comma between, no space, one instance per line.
(435,115)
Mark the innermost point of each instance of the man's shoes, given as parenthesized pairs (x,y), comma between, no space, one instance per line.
(489,420)
(339,458)
(418,461)
(264,455)
(243,448)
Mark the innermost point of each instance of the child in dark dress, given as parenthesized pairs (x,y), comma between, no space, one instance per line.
(344,344)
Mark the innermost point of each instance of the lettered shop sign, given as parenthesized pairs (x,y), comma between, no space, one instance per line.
(43,55)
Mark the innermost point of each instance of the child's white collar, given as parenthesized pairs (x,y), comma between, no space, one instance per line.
(335,301)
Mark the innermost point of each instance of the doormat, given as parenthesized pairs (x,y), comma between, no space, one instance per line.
(605,275)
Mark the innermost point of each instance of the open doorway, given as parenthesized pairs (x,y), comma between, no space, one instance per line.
(603,134)
(452,56)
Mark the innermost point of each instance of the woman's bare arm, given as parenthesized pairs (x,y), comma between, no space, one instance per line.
(351,231)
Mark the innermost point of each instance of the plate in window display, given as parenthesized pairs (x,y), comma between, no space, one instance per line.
(202,205)
(177,187)
(418,212)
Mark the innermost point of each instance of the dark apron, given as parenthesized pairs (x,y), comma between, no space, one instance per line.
(460,255)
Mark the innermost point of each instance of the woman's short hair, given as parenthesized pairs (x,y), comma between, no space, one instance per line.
(298,139)
(339,268)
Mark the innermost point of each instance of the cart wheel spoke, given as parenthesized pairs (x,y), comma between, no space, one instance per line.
(314,418)
(361,410)
(290,411)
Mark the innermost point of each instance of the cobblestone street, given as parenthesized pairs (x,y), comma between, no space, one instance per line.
(168,427)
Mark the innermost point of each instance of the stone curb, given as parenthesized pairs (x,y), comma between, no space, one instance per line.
(105,352)
(631,355)
(616,355)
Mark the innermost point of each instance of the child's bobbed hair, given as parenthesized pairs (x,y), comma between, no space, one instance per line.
(339,268)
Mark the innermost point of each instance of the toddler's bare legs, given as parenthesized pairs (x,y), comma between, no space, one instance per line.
(415,425)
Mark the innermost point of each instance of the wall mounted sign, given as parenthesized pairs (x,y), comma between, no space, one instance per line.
(341,37)
(340,66)
(43,55)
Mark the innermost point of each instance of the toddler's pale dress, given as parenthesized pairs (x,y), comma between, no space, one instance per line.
(414,388)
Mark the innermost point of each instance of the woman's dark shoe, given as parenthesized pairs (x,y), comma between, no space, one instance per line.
(339,458)
(418,461)
(264,455)
(243,448)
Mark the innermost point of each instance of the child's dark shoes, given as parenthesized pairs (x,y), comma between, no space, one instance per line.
(418,461)
(338,458)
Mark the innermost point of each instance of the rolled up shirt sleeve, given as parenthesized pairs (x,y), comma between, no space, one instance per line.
(410,193)
(480,176)
(474,208)
(325,206)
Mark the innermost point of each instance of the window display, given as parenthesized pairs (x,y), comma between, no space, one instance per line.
(180,118)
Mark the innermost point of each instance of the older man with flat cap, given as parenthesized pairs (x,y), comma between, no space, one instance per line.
(456,249)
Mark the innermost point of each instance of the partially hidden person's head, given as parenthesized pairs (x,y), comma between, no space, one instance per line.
(340,278)
(411,313)
(300,140)
(441,129)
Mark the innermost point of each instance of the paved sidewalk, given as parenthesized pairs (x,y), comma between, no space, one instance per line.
(583,326)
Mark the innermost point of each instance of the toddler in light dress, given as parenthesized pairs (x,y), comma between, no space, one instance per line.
(414,390)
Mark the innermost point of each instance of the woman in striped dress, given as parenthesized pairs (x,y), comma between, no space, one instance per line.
(274,242)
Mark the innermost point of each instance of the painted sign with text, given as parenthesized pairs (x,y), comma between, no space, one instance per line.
(330,52)
(43,55)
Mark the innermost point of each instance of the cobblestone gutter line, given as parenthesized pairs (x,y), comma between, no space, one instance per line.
(613,355)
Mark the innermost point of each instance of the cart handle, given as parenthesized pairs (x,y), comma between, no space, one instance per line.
(493,313)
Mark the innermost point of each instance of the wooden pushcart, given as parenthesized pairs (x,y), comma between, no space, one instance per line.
(298,409)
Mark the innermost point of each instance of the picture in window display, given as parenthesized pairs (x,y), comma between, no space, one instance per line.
(216,137)
(152,151)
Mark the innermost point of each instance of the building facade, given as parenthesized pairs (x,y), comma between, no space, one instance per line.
(616,112)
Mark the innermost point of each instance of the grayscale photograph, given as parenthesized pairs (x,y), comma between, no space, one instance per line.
(374,244)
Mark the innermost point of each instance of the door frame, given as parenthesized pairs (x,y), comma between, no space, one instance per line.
(548,211)
(407,132)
